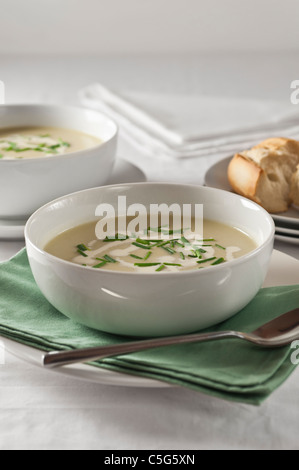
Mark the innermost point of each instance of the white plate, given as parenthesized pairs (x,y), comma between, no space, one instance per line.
(284,270)
(286,231)
(124,172)
(287,239)
(216,177)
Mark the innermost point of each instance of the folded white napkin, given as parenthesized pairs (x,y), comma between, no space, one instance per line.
(178,126)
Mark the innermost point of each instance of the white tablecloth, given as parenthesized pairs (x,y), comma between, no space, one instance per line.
(45,410)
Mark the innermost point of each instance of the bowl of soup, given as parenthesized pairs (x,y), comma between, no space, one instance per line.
(48,151)
(150,259)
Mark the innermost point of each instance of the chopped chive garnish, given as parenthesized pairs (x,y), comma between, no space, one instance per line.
(219,246)
(185,241)
(172,264)
(207,240)
(218,261)
(148,254)
(116,238)
(146,265)
(136,257)
(54,147)
(64,144)
(182,255)
(100,265)
(140,245)
(160,268)
(82,247)
(142,241)
(169,250)
(200,250)
(206,260)
(109,259)
(163,243)
(18,150)
(82,253)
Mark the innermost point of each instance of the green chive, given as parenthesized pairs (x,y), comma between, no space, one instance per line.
(185,241)
(142,241)
(172,264)
(219,261)
(146,265)
(82,247)
(169,250)
(219,246)
(65,144)
(160,268)
(206,240)
(151,229)
(206,260)
(100,265)
(182,255)
(163,243)
(82,253)
(136,257)
(118,237)
(140,245)
(18,150)
(147,255)
(54,147)
(109,259)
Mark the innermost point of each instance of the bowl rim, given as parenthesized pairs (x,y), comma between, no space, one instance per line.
(18,161)
(199,272)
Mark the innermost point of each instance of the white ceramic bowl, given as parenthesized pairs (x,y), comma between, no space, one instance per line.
(153,304)
(27,184)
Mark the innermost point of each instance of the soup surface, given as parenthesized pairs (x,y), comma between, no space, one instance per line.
(157,249)
(37,142)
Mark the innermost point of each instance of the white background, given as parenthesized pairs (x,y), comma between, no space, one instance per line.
(147,26)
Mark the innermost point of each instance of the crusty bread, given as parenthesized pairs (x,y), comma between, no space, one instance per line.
(295,187)
(267,173)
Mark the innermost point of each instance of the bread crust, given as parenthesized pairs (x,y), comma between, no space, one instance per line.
(280,144)
(244,176)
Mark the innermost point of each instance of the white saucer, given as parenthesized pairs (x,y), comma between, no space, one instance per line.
(124,172)
(283,270)
(216,177)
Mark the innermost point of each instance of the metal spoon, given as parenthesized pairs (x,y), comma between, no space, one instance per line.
(276,333)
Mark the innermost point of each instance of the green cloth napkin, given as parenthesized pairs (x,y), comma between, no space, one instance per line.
(229,369)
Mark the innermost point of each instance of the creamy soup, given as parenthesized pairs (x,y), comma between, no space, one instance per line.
(157,249)
(33,142)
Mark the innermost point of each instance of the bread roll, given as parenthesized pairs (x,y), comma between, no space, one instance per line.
(266,173)
(295,187)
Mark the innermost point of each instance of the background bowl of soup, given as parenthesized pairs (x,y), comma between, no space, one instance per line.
(49,151)
(200,284)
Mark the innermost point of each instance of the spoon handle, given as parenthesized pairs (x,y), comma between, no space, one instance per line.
(62,358)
